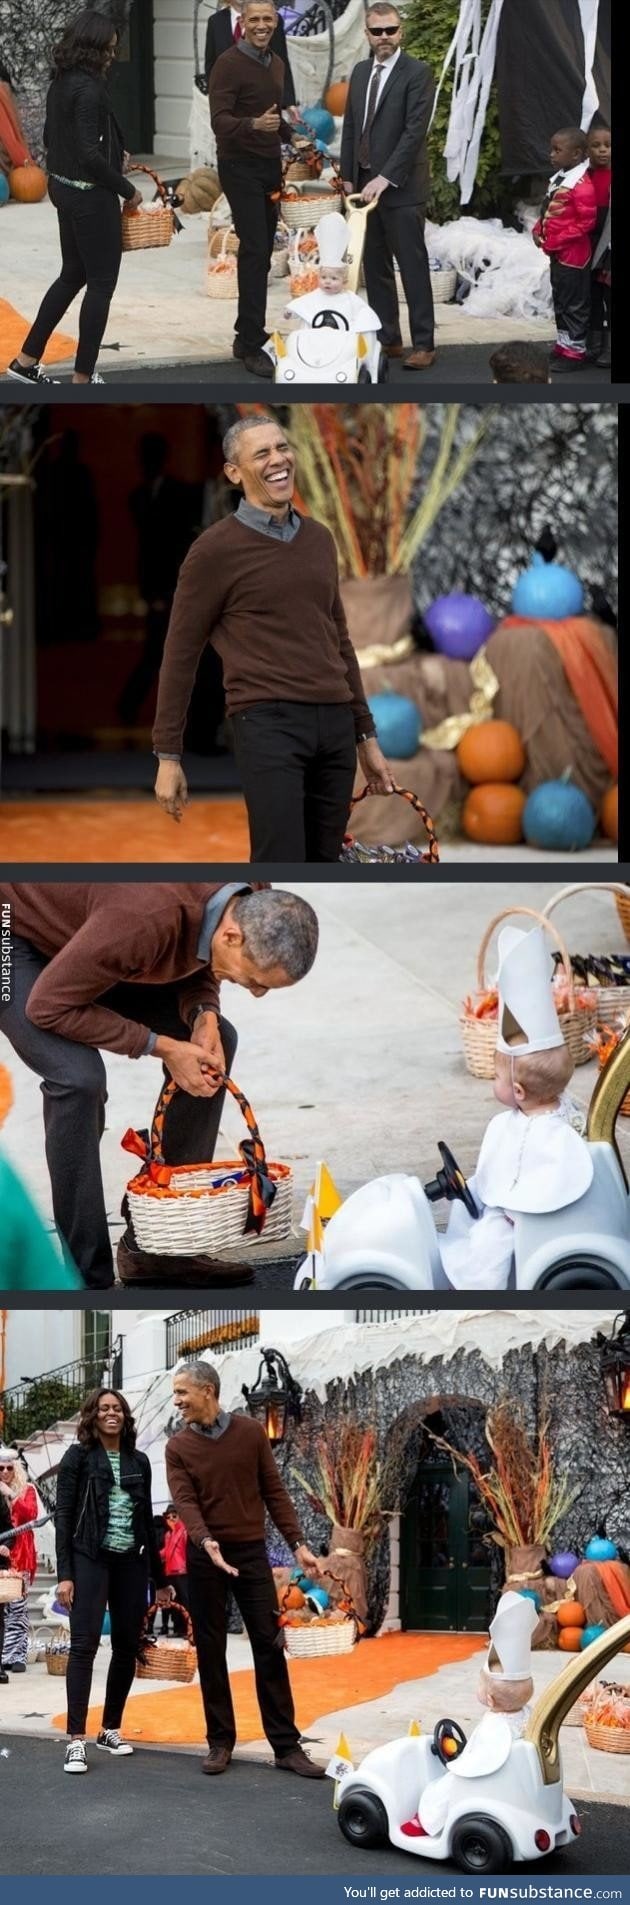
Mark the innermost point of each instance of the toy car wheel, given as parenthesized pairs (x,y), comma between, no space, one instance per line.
(479,1845)
(581,1273)
(363,1819)
(383,368)
(363,376)
(369,1288)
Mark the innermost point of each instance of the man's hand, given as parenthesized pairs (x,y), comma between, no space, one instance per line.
(377,773)
(268,121)
(374,188)
(347,187)
(311,1563)
(213,1551)
(171,788)
(188,1066)
(164,1596)
(65,1593)
(206,1035)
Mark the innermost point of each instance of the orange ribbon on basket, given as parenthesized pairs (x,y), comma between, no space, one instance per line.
(149,1147)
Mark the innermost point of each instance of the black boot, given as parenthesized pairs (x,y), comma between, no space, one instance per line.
(603,360)
(594,341)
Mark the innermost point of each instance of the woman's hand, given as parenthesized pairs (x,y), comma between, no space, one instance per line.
(65,1593)
(213,1551)
(133,204)
(6,1554)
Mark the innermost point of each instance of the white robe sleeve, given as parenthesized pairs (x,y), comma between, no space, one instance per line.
(477,1253)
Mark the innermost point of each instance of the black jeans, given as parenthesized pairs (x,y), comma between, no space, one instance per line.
(571,293)
(255,217)
(74,1090)
(90,232)
(255,1595)
(180,1583)
(297,763)
(119,1582)
(397,232)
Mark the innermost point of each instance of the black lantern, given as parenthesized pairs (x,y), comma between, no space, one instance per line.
(275,1398)
(615,1364)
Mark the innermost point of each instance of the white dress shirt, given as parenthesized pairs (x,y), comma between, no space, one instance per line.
(384,73)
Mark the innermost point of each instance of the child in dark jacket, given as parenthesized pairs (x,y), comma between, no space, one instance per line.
(564,231)
(600,174)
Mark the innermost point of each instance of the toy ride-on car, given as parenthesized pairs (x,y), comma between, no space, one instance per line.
(507,1801)
(328,352)
(384,1237)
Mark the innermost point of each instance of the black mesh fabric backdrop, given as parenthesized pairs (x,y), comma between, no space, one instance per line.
(540,77)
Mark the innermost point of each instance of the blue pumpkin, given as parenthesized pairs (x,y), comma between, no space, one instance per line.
(589,1634)
(318,1600)
(459,625)
(319,122)
(599,1548)
(563,1564)
(547,592)
(558,816)
(4,188)
(398,724)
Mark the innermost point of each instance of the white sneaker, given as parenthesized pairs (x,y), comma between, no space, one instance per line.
(110,1742)
(76,1757)
(95,379)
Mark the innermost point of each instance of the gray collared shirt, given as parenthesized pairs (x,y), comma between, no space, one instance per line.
(267,524)
(213,1430)
(254,52)
(213,911)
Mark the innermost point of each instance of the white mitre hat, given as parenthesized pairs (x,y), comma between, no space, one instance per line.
(331,232)
(511,1638)
(528,1021)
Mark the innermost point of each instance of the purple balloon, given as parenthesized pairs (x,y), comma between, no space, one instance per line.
(564,1564)
(459,624)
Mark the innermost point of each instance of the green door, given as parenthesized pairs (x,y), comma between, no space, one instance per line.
(444,1561)
(130,84)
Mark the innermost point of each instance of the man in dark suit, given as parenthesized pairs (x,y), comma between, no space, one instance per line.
(384,157)
(225,29)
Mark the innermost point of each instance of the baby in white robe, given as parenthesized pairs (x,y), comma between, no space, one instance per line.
(332,295)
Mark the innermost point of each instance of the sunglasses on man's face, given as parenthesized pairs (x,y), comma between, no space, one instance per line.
(380,32)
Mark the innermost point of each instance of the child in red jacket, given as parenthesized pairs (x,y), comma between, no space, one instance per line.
(564,231)
(600,173)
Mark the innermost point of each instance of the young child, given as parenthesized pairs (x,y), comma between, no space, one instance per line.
(532,1158)
(505,1692)
(332,295)
(564,231)
(600,174)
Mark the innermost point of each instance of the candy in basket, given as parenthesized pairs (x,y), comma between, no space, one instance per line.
(355,853)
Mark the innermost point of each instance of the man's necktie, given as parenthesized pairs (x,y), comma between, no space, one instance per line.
(238,31)
(364,142)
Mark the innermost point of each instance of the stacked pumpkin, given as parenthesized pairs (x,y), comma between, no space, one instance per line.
(492,758)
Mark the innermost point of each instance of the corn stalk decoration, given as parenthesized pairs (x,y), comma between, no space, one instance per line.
(524,1495)
(346,1488)
(357,468)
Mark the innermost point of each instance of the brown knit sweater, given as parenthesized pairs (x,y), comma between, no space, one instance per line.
(221,1487)
(274,613)
(98,936)
(240,90)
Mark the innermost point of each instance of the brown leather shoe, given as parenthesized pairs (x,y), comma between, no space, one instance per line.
(297,1761)
(420,360)
(197,1273)
(217,1760)
(394,350)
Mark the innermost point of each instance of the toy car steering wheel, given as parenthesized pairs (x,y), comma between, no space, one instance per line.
(451,1183)
(321,320)
(448,1730)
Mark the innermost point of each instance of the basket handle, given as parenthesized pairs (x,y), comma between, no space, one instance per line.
(432,853)
(262,1188)
(174,1607)
(584,886)
(157,181)
(541,920)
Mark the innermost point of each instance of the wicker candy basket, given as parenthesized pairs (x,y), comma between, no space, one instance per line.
(162,1658)
(193,1209)
(314,1639)
(305,201)
(609,1739)
(479,1035)
(222,278)
(607,999)
(150,225)
(408,855)
(622,903)
(11,1586)
(58,1653)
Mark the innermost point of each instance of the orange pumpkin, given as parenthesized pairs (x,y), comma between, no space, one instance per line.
(291,1597)
(571,1614)
(570,1640)
(493,751)
(493,814)
(336,97)
(609,814)
(27,183)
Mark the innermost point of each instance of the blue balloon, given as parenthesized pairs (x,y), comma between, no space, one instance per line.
(4,189)
(459,624)
(319,122)
(547,592)
(558,817)
(398,724)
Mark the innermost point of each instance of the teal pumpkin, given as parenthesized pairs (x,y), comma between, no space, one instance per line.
(398,725)
(4,188)
(530,1594)
(601,1549)
(589,1634)
(547,592)
(559,817)
(318,122)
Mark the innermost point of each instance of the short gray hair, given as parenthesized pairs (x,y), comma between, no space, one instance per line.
(203,1374)
(237,430)
(279,929)
(257,3)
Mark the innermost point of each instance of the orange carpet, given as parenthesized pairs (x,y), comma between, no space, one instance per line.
(117,832)
(14,329)
(175,1717)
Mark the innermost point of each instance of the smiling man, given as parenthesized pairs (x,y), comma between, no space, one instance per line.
(263,587)
(137,970)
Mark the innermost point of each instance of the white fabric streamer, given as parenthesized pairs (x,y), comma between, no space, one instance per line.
(589,12)
(508,275)
(474,53)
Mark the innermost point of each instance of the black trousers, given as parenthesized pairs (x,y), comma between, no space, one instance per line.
(599,316)
(297,762)
(90,232)
(254,216)
(74,1090)
(255,1595)
(120,1582)
(397,232)
(571,293)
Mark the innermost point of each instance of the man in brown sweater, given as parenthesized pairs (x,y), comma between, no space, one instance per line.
(137,969)
(246,90)
(263,587)
(222,1476)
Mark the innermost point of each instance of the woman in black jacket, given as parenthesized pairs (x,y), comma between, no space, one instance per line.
(85,157)
(5,1562)
(106,1554)
(222,31)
